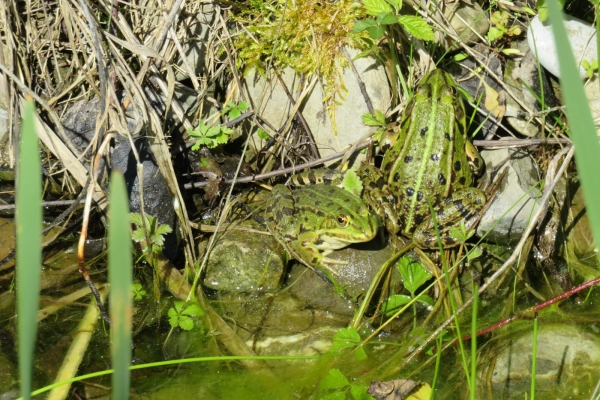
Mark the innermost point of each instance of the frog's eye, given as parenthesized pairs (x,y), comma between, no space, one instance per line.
(342,220)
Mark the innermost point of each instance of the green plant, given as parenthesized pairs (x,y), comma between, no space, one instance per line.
(138,291)
(156,232)
(233,110)
(590,69)
(29,247)
(120,271)
(377,119)
(185,317)
(413,277)
(387,17)
(209,136)
(499,29)
(335,386)
(347,338)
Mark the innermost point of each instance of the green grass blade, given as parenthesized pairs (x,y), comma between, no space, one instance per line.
(29,246)
(120,276)
(581,124)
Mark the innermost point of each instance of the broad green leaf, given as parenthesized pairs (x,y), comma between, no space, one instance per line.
(193,310)
(262,134)
(186,323)
(394,303)
(386,19)
(376,7)
(345,338)
(413,274)
(416,26)
(361,25)
(376,32)
(334,379)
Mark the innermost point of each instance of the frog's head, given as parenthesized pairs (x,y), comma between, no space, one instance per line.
(348,221)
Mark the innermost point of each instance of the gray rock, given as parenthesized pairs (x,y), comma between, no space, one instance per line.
(522,77)
(511,210)
(568,365)
(80,121)
(276,108)
(581,35)
(194,44)
(468,20)
(243,262)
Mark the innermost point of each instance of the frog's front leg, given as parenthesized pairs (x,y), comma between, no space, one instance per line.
(462,205)
(306,250)
(378,196)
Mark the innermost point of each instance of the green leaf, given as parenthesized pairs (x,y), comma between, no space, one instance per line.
(376,7)
(364,24)
(394,303)
(386,19)
(374,120)
(352,183)
(262,134)
(458,57)
(416,26)
(334,379)
(193,310)
(138,291)
(359,392)
(345,338)
(186,323)
(376,32)
(427,300)
(413,274)
(136,218)
(173,317)
(474,253)
(397,4)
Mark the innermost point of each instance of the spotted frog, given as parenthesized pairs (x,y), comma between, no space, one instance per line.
(430,160)
(312,221)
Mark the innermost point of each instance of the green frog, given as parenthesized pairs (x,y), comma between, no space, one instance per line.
(430,160)
(312,221)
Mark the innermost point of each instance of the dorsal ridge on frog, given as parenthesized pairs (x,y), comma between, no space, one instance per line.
(431,160)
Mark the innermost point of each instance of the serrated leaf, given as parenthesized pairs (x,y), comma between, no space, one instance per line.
(334,379)
(186,323)
(352,183)
(416,26)
(345,338)
(136,218)
(193,310)
(474,253)
(138,235)
(376,7)
(427,300)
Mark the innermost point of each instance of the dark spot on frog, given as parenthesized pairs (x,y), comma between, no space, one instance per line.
(459,205)
(435,157)
(319,242)
(410,191)
(442,179)
(408,159)
(396,177)
(462,180)
(447,136)
(317,203)
(457,165)
(419,196)
(418,219)
(424,131)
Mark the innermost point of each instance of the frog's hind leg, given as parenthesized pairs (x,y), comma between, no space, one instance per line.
(463,205)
